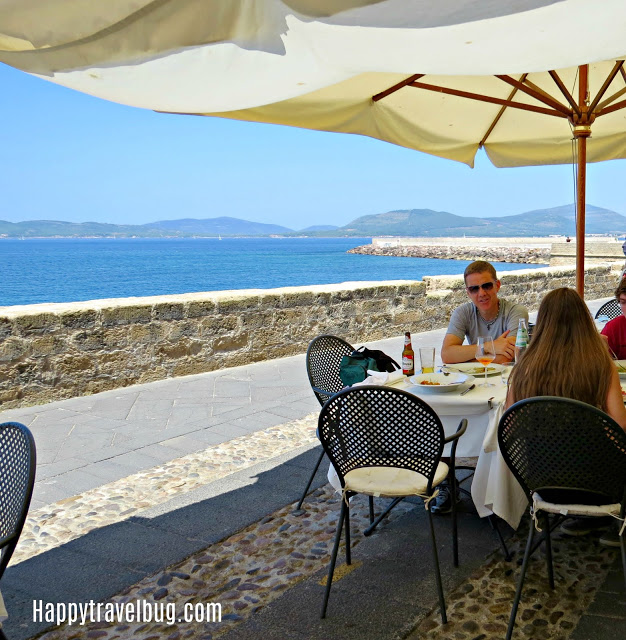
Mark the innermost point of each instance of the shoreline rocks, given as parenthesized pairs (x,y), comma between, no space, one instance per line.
(442,252)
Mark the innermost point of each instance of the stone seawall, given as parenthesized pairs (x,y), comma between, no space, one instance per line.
(525,255)
(54,351)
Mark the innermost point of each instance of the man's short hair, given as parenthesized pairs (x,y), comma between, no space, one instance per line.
(479,266)
(621,288)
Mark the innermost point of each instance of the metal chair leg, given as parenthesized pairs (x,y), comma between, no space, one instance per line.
(333,558)
(371,506)
(375,523)
(442,602)
(520,584)
(493,521)
(622,544)
(455,537)
(306,489)
(347,525)
(546,520)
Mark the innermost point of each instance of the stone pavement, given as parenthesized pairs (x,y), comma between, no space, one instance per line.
(136,480)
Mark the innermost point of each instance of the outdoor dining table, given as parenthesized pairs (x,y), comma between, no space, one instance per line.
(494,488)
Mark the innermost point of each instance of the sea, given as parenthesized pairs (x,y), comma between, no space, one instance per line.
(64,270)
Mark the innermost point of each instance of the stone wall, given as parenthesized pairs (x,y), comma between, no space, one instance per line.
(55,351)
(595,253)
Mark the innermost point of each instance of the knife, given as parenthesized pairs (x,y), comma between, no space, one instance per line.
(468,389)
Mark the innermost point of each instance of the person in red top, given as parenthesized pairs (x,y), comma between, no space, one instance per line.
(615,330)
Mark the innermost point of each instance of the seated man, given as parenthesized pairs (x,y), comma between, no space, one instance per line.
(485,315)
(615,330)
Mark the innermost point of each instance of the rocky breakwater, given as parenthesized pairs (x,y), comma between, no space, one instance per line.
(525,255)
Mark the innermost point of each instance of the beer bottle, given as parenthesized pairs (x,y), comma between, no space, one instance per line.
(408,356)
(521,339)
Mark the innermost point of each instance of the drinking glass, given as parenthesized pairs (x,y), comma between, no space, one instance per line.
(485,353)
(427,359)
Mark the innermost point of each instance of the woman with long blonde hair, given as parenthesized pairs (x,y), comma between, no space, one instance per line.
(567,358)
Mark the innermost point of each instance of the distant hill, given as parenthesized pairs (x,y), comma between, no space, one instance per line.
(214,226)
(542,222)
(320,227)
(407,222)
(186,227)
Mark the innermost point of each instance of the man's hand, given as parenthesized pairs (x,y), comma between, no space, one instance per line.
(505,347)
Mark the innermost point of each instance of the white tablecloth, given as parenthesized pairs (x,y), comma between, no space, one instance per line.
(482,417)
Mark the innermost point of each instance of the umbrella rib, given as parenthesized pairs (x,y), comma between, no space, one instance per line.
(500,114)
(484,98)
(614,107)
(568,96)
(396,87)
(608,101)
(605,85)
(537,95)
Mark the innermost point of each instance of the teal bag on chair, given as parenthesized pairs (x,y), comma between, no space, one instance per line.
(353,368)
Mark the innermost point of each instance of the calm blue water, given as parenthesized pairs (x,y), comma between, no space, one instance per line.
(64,270)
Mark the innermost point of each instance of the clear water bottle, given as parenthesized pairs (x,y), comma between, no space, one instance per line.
(521,340)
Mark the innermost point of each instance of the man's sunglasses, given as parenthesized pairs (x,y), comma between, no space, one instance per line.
(485,286)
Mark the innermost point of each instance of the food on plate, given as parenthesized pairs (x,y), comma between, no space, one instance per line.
(475,370)
(429,383)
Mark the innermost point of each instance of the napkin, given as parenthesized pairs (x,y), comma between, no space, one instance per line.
(380,378)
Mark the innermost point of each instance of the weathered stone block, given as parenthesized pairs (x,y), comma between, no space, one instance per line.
(13,349)
(46,345)
(169,311)
(126,315)
(36,324)
(236,304)
(200,308)
(6,329)
(230,343)
(219,324)
(303,299)
(78,319)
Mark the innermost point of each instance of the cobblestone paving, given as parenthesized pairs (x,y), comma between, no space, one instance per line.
(479,609)
(68,519)
(256,565)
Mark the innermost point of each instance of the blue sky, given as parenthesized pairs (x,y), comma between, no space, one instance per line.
(68,156)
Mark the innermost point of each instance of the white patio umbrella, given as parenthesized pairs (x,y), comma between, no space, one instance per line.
(522,79)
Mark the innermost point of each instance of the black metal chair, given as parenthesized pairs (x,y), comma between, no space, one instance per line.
(611,309)
(569,457)
(322,366)
(17,479)
(367,431)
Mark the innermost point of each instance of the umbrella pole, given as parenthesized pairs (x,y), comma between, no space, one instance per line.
(582,130)
(580,214)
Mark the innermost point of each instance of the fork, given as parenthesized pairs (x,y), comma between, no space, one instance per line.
(619,366)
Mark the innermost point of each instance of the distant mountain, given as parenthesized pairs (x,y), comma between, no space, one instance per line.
(164,229)
(320,227)
(542,222)
(214,226)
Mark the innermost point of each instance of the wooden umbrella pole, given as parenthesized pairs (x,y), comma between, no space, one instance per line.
(580,214)
(582,130)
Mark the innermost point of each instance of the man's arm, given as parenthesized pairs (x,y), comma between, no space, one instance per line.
(453,350)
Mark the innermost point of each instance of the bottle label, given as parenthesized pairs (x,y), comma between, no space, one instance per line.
(521,340)
(408,363)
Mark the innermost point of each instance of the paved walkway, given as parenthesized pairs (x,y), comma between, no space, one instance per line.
(116,448)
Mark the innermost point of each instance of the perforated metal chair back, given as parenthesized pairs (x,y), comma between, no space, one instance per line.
(17,478)
(373,426)
(558,443)
(322,364)
(611,309)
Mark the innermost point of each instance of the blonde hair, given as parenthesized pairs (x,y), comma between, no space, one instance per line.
(566,356)
(480,266)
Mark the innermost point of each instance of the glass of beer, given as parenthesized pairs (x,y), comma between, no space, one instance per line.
(427,359)
(485,353)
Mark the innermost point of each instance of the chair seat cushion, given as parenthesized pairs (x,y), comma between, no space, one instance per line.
(391,482)
(575,509)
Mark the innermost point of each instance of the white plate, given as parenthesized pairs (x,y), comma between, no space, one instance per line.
(622,374)
(443,383)
(473,369)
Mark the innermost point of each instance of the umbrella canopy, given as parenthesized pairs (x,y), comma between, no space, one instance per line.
(522,79)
